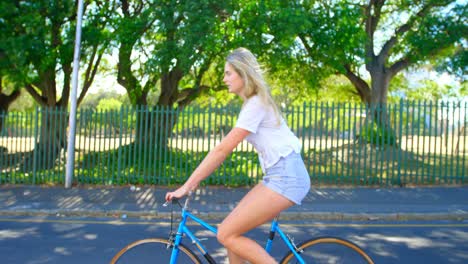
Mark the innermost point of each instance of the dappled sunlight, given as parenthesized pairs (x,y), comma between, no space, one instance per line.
(13,234)
(90,236)
(410,242)
(220,253)
(457,256)
(8,197)
(104,196)
(380,249)
(60,227)
(446,242)
(62,251)
(205,234)
(40,260)
(74,234)
(146,198)
(457,236)
(70,230)
(292,230)
(347,194)
(154,228)
(70,201)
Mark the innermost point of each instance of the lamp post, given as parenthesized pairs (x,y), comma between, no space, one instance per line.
(73,100)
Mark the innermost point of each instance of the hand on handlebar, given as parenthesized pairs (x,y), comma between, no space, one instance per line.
(179,193)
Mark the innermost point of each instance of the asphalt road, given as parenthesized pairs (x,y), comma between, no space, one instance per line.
(32,240)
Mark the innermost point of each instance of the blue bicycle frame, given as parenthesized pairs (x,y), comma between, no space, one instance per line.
(184,230)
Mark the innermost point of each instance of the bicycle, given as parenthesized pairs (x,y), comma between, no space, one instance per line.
(172,250)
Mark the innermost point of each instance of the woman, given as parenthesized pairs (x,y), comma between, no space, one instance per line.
(286,181)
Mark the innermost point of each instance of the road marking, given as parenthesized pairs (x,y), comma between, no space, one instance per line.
(120,222)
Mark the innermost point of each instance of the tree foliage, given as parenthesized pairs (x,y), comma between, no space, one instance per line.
(38,41)
(172,51)
(167,43)
(37,54)
(175,49)
(382,36)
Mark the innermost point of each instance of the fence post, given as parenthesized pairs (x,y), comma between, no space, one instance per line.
(36,136)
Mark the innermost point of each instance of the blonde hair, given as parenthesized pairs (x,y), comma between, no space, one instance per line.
(247,66)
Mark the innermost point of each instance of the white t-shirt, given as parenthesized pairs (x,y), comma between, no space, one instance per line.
(271,139)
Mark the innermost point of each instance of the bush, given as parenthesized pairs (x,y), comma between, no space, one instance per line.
(378,135)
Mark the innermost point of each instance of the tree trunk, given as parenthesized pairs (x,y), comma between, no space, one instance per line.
(52,140)
(5,101)
(377,108)
(380,81)
(157,125)
(154,128)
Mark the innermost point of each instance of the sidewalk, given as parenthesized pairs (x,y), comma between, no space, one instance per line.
(409,203)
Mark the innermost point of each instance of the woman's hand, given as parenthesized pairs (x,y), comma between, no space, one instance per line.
(179,193)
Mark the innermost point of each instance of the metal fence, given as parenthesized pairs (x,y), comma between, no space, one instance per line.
(342,143)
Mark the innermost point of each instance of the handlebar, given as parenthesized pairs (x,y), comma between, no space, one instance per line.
(176,201)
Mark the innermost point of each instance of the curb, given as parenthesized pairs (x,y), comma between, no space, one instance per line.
(323,216)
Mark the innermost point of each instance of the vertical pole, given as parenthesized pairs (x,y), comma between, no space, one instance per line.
(72,117)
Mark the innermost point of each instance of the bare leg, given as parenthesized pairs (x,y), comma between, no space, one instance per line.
(258,206)
(235,259)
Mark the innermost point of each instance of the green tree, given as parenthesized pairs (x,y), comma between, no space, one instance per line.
(38,40)
(167,43)
(109,104)
(92,100)
(464,89)
(382,36)
(428,90)
(6,100)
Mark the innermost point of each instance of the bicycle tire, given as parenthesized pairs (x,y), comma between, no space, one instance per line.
(157,252)
(329,250)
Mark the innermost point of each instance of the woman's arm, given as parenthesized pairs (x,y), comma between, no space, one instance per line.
(211,162)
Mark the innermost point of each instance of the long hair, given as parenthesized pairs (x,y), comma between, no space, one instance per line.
(247,66)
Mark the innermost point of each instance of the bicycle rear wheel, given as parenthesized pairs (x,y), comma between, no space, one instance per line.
(329,250)
(153,250)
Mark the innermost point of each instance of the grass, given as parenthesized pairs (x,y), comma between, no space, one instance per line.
(365,164)
(348,164)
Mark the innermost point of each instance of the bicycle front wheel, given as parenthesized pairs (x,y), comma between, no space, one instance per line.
(329,250)
(153,250)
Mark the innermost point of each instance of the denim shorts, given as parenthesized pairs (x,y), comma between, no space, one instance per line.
(289,178)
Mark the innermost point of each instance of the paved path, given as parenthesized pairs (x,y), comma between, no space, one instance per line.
(409,203)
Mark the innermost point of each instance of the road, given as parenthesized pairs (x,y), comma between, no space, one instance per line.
(31,240)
